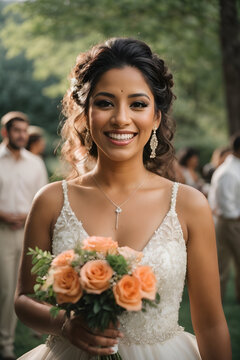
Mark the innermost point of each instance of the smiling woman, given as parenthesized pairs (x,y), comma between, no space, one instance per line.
(117,111)
(140,74)
(121,120)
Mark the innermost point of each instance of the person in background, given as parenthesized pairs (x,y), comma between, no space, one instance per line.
(224,199)
(22,174)
(36,142)
(188,159)
(218,157)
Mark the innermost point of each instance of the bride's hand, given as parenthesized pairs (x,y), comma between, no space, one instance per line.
(94,342)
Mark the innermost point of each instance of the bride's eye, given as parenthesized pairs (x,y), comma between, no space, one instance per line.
(139,104)
(103,103)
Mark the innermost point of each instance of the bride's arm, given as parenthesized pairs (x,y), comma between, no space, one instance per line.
(203,283)
(38,232)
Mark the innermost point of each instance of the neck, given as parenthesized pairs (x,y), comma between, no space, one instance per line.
(15,152)
(121,174)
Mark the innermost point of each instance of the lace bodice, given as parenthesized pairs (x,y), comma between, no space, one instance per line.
(165,253)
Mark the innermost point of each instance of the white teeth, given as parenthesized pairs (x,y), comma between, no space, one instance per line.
(120,136)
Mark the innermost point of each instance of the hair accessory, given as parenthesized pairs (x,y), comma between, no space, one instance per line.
(73,85)
(118,209)
(153,144)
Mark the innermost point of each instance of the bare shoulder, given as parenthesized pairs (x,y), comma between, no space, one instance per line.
(193,210)
(191,199)
(49,199)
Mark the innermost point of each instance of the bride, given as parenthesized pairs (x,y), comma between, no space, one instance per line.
(117,112)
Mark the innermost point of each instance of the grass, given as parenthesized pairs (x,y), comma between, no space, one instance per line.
(25,339)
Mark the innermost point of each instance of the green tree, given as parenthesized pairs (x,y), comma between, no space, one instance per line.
(230,41)
(184,32)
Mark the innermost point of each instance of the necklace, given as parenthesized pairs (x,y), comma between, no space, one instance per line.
(118,208)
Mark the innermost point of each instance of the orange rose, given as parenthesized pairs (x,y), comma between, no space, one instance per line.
(130,254)
(63,259)
(127,293)
(147,281)
(95,276)
(67,285)
(104,245)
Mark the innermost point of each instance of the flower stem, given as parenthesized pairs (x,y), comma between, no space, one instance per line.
(116,356)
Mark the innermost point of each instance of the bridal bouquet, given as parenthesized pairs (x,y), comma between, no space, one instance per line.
(97,280)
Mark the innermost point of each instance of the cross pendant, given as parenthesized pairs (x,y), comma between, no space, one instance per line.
(118,210)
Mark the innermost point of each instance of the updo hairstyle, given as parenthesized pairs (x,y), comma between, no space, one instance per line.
(90,66)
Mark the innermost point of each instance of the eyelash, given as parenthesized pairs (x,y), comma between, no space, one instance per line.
(103,103)
(140,104)
(106,104)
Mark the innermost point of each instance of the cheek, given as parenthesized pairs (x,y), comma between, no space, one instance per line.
(146,121)
(97,119)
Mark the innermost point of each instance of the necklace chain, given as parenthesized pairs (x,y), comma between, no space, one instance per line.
(118,209)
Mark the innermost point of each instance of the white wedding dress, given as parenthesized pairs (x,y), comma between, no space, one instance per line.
(151,335)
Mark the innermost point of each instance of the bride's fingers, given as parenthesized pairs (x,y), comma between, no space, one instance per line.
(94,350)
(110,333)
(99,340)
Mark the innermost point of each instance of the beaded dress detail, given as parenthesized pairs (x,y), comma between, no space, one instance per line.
(165,253)
(151,335)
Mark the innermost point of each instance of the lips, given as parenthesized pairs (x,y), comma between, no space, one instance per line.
(120,137)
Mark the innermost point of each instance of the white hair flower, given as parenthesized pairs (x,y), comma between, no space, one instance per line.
(74,83)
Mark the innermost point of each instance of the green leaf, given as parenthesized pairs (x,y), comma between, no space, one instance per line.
(118,264)
(96,307)
(157,298)
(107,307)
(54,311)
(36,287)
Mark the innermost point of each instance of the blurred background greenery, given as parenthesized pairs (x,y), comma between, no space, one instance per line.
(40,39)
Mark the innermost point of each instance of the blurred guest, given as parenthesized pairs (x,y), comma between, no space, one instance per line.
(188,159)
(224,199)
(178,174)
(36,142)
(22,174)
(218,157)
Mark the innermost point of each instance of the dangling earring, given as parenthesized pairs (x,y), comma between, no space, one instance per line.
(88,140)
(153,144)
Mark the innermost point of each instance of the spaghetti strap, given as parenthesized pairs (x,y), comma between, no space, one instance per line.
(174,197)
(65,193)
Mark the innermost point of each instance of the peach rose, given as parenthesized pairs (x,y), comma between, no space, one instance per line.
(130,254)
(127,293)
(101,244)
(95,276)
(147,281)
(67,285)
(63,259)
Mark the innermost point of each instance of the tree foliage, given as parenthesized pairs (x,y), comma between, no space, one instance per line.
(183,32)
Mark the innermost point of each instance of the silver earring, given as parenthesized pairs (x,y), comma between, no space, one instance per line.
(153,144)
(88,140)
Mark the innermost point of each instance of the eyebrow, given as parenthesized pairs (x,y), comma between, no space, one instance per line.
(103,93)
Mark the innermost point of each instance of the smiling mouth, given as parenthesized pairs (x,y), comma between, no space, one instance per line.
(120,136)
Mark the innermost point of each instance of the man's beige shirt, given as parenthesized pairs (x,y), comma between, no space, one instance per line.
(19,180)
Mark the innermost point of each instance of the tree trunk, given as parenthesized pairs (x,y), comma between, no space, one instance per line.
(230,42)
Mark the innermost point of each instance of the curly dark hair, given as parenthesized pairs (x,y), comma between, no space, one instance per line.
(90,66)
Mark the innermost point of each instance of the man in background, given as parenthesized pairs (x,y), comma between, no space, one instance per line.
(22,174)
(224,199)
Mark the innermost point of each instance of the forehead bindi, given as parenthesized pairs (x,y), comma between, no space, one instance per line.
(124,81)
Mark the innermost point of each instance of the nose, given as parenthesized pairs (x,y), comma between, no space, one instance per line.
(121,117)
